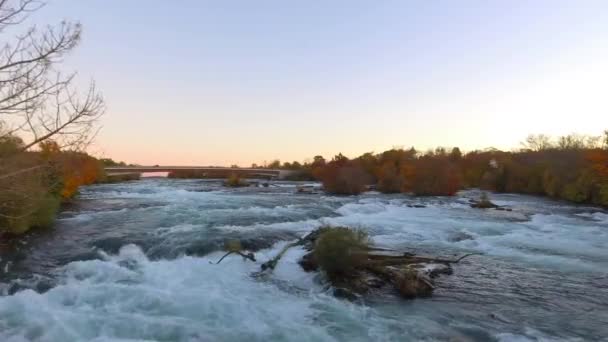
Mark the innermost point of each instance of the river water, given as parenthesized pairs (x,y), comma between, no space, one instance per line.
(130,261)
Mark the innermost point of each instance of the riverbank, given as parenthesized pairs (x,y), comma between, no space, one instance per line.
(33,185)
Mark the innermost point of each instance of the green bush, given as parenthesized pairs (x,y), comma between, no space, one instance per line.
(44,216)
(36,208)
(341,250)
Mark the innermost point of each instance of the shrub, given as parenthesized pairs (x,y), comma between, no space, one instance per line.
(33,184)
(602,197)
(339,251)
(26,199)
(234,180)
(435,176)
(389,178)
(343,177)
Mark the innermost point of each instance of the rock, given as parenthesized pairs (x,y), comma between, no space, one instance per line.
(459,236)
(360,283)
(340,292)
(309,263)
(483,202)
(483,205)
(416,206)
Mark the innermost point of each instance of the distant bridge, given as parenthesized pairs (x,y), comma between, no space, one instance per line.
(206,171)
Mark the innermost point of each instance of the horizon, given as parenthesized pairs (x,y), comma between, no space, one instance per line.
(240,83)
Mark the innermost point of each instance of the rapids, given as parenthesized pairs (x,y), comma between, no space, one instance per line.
(130,262)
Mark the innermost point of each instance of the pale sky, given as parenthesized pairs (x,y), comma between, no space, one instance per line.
(223,82)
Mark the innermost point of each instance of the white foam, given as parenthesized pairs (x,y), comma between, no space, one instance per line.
(130,297)
(550,240)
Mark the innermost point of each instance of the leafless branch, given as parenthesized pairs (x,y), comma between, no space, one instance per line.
(37,101)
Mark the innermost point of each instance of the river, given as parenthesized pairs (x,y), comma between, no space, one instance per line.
(130,261)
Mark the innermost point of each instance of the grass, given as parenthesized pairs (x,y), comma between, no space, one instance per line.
(339,251)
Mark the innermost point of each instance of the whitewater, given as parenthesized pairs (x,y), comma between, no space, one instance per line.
(131,262)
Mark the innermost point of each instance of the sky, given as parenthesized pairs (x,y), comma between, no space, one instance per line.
(236,82)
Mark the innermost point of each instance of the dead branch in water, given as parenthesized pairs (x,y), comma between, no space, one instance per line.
(249,256)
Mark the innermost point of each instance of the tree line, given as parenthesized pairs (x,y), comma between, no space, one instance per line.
(572,167)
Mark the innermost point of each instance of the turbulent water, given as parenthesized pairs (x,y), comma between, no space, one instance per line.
(131,262)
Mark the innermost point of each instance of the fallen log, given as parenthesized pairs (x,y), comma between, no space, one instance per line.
(409,258)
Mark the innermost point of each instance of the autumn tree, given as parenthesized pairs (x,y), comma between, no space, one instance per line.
(435,176)
(342,176)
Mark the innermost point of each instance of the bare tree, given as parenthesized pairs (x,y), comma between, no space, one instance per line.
(575,141)
(537,142)
(37,101)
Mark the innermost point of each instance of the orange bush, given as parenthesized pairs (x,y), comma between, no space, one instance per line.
(435,176)
(77,169)
(343,177)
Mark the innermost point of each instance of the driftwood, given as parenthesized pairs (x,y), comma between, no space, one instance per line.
(409,258)
(306,240)
(249,256)
(272,263)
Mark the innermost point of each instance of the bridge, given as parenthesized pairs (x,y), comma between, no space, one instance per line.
(201,171)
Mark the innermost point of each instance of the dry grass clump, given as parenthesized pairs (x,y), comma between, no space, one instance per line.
(339,251)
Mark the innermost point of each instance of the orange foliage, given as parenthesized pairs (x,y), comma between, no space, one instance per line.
(599,162)
(77,169)
(343,177)
(435,176)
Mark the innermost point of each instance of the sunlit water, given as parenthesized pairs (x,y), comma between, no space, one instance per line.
(131,262)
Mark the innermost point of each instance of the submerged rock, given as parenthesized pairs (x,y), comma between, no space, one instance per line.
(459,236)
(483,205)
(483,202)
(309,263)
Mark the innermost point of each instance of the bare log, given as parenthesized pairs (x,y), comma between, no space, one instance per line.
(409,258)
